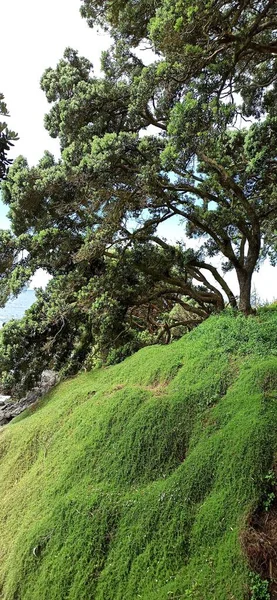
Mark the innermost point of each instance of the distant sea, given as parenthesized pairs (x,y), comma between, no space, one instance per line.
(15,308)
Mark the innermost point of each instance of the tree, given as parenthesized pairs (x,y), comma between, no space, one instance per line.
(221,181)
(141,146)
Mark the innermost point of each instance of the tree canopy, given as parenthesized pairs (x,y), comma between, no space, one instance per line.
(189,137)
(225,43)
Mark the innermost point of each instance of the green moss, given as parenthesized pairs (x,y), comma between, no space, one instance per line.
(135,481)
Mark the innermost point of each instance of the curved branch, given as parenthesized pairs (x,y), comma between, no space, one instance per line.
(220,280)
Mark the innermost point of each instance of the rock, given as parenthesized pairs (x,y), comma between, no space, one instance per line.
(48,379)
(4,400)
(10,409)
(5,417)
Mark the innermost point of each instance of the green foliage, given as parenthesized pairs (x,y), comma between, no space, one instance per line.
(259,588)
(219,46)
(92,219)
(269,490)
(134,481)
(113,186)
(6,138)
(7,258)
(98,312)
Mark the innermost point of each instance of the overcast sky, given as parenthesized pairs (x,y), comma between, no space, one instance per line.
(33,37)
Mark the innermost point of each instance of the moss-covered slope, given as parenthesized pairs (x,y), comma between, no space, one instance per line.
(135,481)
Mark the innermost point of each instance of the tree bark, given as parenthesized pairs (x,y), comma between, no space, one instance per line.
(246,269)
(245,280)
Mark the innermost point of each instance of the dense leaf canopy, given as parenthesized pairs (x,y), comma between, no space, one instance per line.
(220,42)
(188,136)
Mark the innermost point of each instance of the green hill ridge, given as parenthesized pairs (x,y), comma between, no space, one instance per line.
(137,480)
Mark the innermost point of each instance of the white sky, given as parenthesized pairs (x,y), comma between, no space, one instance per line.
(33,37)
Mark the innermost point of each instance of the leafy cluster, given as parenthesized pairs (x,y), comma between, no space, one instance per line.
(6,140)
(259,588)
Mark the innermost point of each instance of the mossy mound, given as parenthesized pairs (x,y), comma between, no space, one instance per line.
(135,481)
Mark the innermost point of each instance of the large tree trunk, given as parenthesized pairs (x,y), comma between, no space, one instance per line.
(245,279)
(245,271)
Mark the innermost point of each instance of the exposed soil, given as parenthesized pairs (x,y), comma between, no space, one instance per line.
(260,544)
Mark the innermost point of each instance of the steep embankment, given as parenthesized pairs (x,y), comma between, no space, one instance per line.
(136,481)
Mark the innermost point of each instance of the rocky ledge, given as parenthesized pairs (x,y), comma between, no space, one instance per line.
(10,408)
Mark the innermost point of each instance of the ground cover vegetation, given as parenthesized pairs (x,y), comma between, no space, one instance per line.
(137,480)
(180,127)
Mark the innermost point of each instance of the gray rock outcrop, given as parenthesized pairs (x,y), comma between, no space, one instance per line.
(10,409)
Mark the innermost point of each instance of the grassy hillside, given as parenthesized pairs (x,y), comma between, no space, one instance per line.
(135,481)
